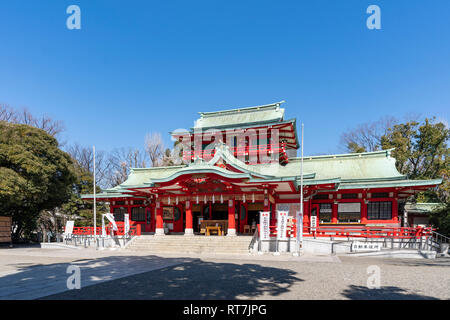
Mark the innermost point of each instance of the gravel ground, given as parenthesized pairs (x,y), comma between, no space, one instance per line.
(41,273)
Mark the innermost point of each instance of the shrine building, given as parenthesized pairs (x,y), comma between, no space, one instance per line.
(237,163)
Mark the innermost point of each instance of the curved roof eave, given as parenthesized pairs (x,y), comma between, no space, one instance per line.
(396,183)
(200,171)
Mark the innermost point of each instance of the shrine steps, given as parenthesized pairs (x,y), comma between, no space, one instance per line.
(191,244)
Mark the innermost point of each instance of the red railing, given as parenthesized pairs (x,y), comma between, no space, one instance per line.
(367,232)
(135,230)
(356,232)
(263,149)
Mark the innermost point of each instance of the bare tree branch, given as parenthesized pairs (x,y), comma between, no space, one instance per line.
(367,137)
(154,146)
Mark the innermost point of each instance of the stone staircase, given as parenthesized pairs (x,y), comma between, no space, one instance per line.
(181,244)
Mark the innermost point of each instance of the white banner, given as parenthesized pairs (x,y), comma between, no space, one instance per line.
(110,217)
(69,227)
(299,225)
(313,223)
(282,225)
(264,222)
(103,226)
(126,223)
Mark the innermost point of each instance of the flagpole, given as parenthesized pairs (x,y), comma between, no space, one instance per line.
(95,206)
(300,216)
(301,197)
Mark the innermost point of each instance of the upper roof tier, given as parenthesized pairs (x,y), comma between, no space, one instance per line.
(265,114)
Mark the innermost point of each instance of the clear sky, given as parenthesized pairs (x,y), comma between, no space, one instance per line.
(143,66)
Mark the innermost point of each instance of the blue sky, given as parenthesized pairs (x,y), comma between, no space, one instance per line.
(145,66)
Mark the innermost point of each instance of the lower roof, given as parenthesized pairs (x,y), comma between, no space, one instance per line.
(347,171)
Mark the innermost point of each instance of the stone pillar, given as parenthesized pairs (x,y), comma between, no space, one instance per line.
(189,231)
(231,219)
(159,220)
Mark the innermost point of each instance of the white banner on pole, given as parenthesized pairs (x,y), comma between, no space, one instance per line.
(282,225)
(299,226)
(126,223)
(69,227)
(313,223)
(110,217)
(264,222)
(103,226)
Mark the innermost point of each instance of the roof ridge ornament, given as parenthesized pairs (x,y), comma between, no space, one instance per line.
(198,161)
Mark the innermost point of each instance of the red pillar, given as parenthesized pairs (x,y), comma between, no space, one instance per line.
(273,214)
(159,219)
(306,213)
(231,219)
(334,213)
(189,220)
(395,210)
(364,211)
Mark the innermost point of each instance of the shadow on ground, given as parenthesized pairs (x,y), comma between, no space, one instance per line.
(193,280)
(384,293)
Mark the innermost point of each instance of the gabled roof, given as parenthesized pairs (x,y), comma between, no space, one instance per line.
(238,117)
(347,171)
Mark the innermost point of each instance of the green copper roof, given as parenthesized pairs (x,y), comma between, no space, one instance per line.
(141,176)
(238,117)
(388,184)
(346,171)
(108,195)
(421,207)
(354,166)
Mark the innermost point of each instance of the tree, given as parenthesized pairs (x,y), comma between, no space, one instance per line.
(367,136)
(35,175)
(422,152)
(168,158)
(154,147)
(421,149)
(84,158)
(121,160)
(81,210)
(23,116)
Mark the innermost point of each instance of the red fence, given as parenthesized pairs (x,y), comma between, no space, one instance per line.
(135,230)
(356,231)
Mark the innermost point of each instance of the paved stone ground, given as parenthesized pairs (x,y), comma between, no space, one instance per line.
(41,273)
(30,273)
